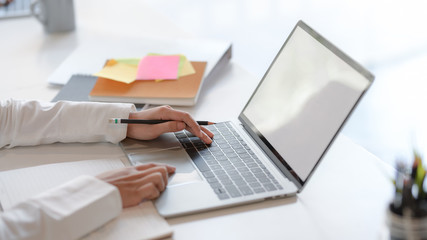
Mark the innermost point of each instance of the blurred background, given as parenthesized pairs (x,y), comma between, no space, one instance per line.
(388,37)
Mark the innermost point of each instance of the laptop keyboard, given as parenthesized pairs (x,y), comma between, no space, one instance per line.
(228,164)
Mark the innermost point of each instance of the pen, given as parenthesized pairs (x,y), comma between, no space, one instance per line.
(142,121)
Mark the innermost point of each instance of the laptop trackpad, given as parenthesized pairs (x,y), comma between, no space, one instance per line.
(165,150)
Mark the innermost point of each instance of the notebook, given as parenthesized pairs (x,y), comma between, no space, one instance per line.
(278,140)
(78,88)
(90,57)
(181,92)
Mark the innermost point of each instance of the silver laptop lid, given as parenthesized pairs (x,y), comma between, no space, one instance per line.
(303,101)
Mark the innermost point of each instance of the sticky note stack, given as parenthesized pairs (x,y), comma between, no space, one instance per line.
(155,67)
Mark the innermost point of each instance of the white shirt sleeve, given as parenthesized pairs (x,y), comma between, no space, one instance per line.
(80,206)
(69,211)
(26,123)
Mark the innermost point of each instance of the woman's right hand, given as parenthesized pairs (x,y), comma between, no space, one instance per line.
(135,184)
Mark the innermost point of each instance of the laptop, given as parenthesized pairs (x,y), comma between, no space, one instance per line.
(278,140)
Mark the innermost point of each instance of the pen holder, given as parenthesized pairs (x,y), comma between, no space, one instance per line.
(405,226)
(407,213)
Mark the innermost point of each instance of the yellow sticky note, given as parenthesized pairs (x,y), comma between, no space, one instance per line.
(120,72)
(131,61)
(186,68)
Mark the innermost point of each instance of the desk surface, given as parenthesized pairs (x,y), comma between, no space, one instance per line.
(346,197)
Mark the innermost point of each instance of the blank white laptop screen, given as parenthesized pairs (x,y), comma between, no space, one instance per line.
(304,98)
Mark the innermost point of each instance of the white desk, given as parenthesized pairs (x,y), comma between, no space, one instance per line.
(345,199)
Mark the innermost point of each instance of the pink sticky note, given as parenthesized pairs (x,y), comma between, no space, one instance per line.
(158,67)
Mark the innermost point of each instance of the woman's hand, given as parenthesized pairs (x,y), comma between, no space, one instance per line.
(180,121)
(135,184)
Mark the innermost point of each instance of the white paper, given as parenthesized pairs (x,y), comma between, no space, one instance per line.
(20,184)
(140,222)
(91,56)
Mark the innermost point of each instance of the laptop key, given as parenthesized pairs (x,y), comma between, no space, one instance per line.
(208,174)
(215,185)
(198,160)
(187,145)
(251,179)
(209,157)
(260,175)
(212,180)
(219,190)
(227,182)
(233,191)
(243,169)
(205,153)
(240,182)
(255,185)
(264,180)
(239,164)
(236,177)
(216,167)
(184,140)
(246,190)
(211,162)
(222,158)
(180,135)
(269,187)
(220,172)
(259,190)
(223,196)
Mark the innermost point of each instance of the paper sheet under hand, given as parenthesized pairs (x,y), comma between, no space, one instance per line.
(140,222)
(19,184)
(135,223)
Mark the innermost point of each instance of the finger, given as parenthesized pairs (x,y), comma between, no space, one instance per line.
(191,125)
(170,169)
(168,113)
(144,173)
(145,166)
(203,136)
(154,178)
(207,131)
(148,191)
(171,126)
